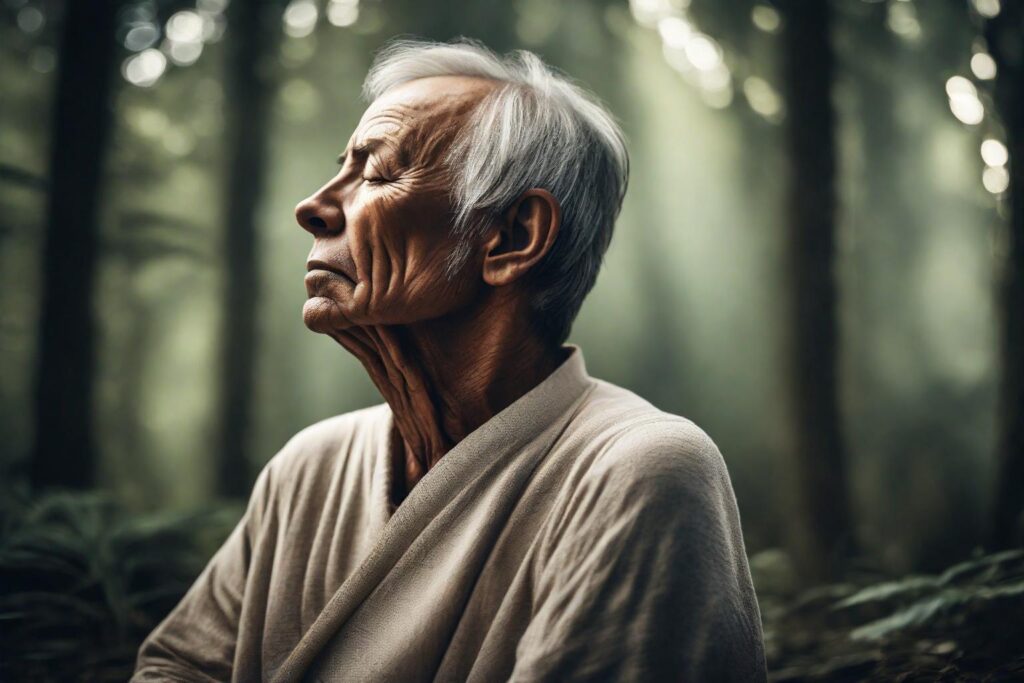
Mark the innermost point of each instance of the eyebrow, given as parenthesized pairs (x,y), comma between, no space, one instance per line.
(362,148)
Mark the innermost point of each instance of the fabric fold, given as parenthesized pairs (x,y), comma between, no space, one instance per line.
(579,534)
(467,495)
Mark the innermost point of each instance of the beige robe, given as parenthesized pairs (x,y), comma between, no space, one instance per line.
(580,534)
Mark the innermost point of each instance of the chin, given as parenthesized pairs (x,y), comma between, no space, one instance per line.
(324,315)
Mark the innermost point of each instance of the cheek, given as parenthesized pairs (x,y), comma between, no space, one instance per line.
(425,269)
(401,249)
(429,292)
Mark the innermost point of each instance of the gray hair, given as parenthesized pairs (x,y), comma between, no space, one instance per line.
(536,130)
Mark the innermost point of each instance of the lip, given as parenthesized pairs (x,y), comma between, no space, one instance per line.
(315,264)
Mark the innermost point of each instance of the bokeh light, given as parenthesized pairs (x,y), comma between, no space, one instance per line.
(762,97)
(902,20)
(715,79)
(649,12)
(994,153)
(299,100)
(703,52)
(987,8)
(960,86)
(185,27)
(995,179)
(963,101)
(300,18)
(675,32)
(183,53)
(342,13)
(31,19)
(766,18)
(213,27)
(186,31)
(146,121)
(178,141)
(145,68)
(141,36)
(983,66)
(695,55)
(43,59)
(718,99)
(969,110)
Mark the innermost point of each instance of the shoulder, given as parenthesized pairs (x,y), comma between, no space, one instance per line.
(648,484)
(652,482)
(334,432)
(317,450)
(640,462)
(635,440)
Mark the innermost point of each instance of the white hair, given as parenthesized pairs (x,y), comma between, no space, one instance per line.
(535,130)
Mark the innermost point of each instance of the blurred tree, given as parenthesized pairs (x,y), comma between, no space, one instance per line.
(807,69)
(21,177)
(253,37)
(64,451)
(1005,37)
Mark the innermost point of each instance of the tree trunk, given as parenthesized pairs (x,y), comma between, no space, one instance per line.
(253,36)
(1005,34)
(807,64)
(64,450)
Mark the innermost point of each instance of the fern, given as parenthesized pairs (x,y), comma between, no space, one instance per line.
(83,581)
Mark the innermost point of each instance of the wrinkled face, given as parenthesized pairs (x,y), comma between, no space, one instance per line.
(381,227)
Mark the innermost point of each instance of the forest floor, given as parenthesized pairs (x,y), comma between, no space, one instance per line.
(82,581)
(965,624)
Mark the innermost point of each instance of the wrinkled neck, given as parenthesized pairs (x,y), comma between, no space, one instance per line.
(444,378)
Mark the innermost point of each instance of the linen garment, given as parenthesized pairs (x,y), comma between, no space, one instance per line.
(580,534)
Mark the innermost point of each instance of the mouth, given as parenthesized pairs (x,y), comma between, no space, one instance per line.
(314,265)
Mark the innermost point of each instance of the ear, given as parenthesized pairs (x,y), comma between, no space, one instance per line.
(522,237)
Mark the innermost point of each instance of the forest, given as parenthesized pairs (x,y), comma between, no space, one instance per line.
(820,260)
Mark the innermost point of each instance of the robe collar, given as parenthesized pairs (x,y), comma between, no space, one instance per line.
(508,431)
(509,446)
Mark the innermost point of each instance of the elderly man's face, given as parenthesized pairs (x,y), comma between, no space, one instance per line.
(381,227)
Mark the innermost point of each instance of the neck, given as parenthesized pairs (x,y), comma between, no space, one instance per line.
(444,378)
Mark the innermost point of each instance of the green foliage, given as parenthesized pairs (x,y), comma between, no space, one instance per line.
(83,581)
(965,624)
(987,584)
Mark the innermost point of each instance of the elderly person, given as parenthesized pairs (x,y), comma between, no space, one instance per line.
(503,516)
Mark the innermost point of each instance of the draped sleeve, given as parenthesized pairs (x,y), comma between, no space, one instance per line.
(196,642)
(645,576)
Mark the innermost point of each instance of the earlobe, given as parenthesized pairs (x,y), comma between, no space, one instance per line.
(523,235)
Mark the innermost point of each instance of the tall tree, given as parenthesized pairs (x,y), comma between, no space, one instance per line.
(64,450)
(807,70)
(1005,37)
(253,37)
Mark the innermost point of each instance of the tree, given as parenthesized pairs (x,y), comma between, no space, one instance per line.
(807,70)
(252,40)
(64,450)
(1005,35)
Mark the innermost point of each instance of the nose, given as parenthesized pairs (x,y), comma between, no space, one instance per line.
(320,214)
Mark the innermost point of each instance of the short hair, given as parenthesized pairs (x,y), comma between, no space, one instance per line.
(537,129)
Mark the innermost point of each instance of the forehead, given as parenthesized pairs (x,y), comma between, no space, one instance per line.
(431,104)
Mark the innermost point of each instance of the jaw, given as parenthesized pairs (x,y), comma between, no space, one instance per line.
(440,370)
(334,305)
(408,382)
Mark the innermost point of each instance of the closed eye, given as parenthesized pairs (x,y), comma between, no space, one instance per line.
(373,175)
